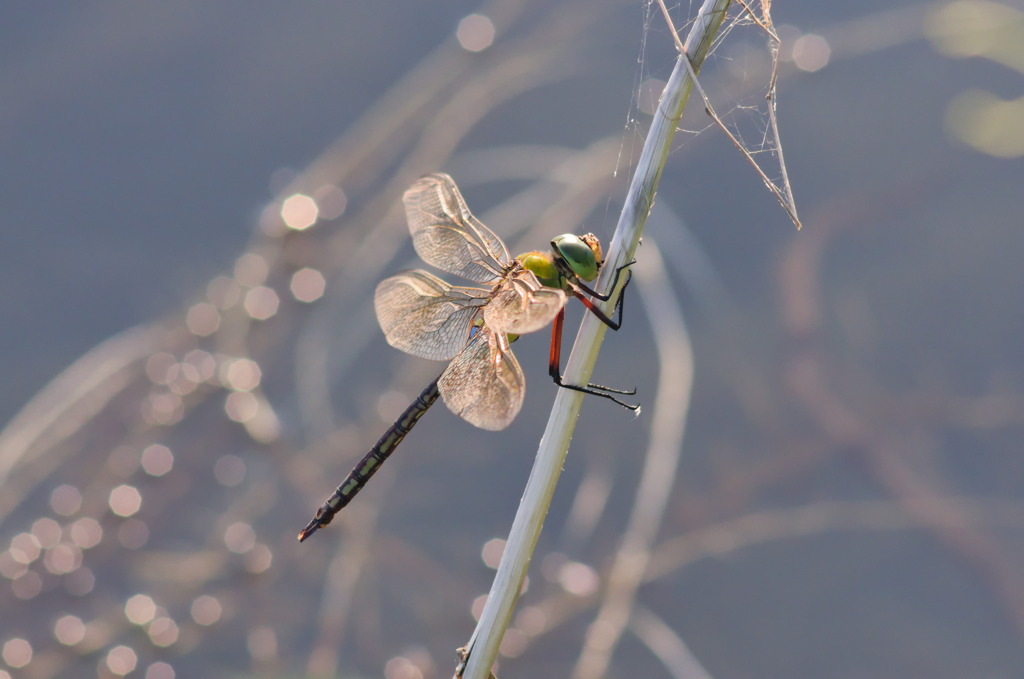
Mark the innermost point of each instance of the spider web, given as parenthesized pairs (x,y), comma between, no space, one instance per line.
(744,61)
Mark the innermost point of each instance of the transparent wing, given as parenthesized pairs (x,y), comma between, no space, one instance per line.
(447,236)
(424,316)
(522,305)
(484,385)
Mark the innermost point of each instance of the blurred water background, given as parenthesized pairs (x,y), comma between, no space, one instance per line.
(198,200)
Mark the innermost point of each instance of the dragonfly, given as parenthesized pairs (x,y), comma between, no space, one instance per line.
(473,327)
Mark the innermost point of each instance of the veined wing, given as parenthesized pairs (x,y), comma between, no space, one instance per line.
(446,235)
(424,316)
(484,385)
(522,305)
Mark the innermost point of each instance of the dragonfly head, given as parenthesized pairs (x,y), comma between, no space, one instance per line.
(581,254)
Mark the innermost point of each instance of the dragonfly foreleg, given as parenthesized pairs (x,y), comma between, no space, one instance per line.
(579,286)
(618,272)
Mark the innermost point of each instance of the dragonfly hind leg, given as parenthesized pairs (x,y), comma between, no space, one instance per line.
(555,370)
(598,390)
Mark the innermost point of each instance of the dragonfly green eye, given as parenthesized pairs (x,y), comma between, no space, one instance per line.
(580,256)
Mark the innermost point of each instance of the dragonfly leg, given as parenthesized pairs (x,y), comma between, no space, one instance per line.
(555,370)
(613,324)
(618,272)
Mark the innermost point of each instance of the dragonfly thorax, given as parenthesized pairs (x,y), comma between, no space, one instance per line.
(543,266)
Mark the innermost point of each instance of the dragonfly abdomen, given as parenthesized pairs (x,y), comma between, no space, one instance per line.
(372,461)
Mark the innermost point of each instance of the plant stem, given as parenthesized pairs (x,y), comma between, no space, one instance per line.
(483,645)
